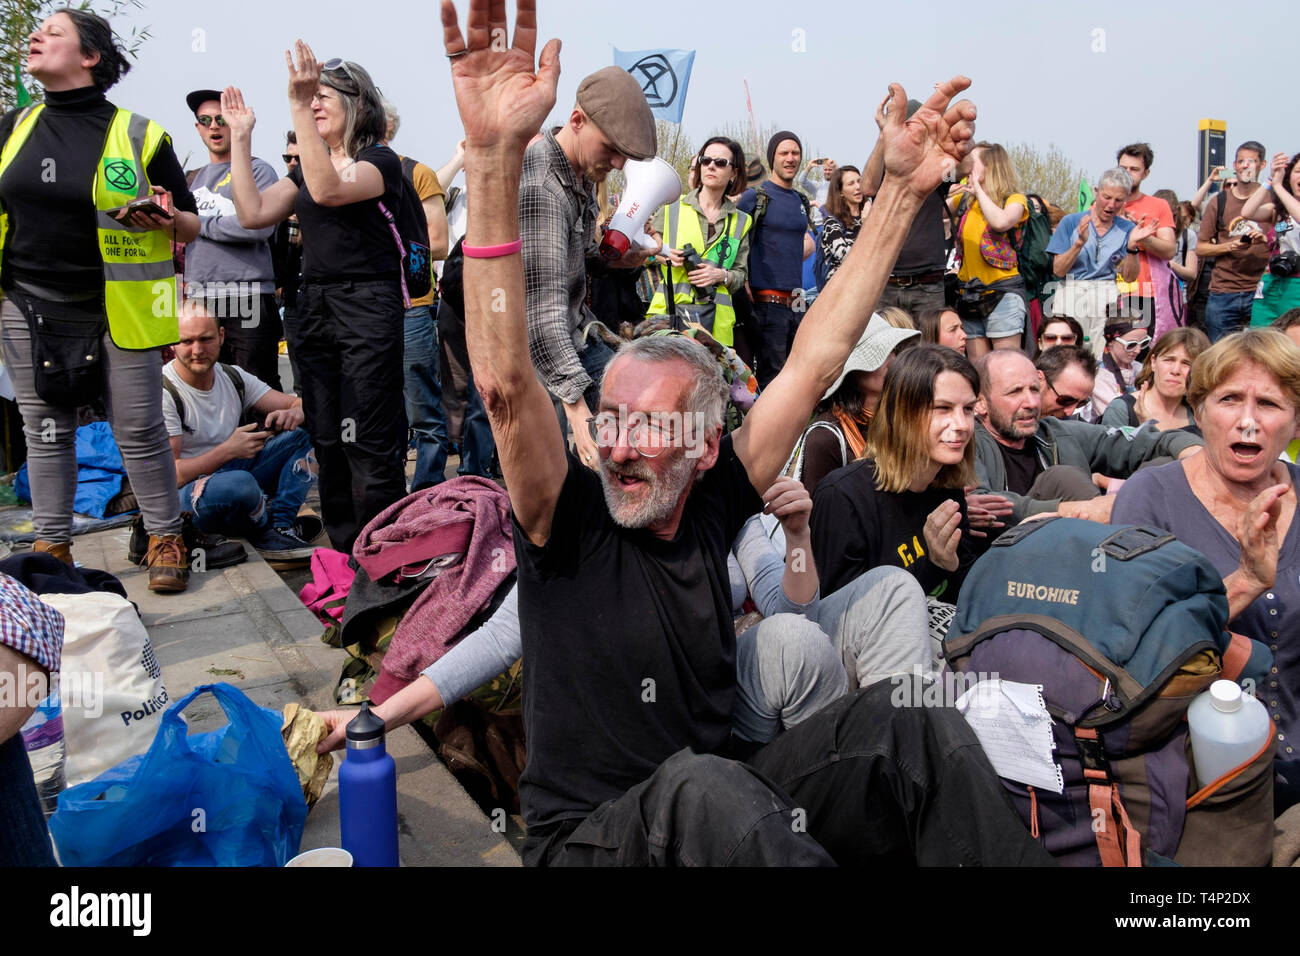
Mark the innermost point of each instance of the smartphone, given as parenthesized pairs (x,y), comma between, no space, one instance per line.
(156,205)
(1226,173)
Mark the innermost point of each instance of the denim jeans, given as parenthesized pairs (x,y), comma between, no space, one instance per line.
(424,397)
(24,840)
(1227,312)
(467,421)
(231,500)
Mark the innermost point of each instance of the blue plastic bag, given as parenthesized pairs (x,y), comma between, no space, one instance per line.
(225,798)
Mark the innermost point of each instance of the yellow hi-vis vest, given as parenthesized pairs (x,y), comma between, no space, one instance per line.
(139,279)
(682,225)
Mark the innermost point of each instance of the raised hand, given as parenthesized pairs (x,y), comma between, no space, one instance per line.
(304,76)
(1257,532)
(1084,223)
(923,151)
(942,534)
(1280,161)
(502,101)
(239,118)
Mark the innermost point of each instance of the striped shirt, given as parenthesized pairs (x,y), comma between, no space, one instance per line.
(28,626)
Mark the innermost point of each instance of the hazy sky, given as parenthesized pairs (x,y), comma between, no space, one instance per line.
(1087,77)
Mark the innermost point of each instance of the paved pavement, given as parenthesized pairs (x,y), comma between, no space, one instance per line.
(243,625)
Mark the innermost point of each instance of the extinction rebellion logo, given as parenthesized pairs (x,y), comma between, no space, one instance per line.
(658,81)
(120,174)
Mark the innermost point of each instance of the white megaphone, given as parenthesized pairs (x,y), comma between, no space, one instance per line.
(650,184)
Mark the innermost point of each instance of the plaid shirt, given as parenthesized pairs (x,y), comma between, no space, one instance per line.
(28,626)
(557,220)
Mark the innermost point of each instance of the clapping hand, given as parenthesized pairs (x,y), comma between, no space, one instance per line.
(502,101)
(239,118)
(942,535)
(304,76)
(923,151)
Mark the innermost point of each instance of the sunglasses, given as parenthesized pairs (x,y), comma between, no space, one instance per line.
(707,161)
(206,120)
(1138,345)
(1064,339)
(1067,402)
(340,64)
(288,160)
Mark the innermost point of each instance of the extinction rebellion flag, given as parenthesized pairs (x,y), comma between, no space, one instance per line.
(663,76)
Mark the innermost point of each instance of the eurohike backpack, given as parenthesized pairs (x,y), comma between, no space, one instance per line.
(410,231)
(1122,627)
(236,380)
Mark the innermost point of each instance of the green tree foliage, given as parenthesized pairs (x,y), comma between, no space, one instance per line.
(20,18)
(1051,174)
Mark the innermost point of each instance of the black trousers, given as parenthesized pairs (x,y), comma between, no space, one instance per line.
(861,782)
(774,327)
(348,338)
(253,331)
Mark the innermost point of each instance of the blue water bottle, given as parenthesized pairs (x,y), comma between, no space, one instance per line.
(368,794)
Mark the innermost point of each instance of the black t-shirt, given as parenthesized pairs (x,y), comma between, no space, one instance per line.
(925,249)
(1023,466)
(629,643)
(856,528)
(48,191)
(352,241)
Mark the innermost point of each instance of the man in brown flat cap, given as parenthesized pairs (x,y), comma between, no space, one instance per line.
(610,124)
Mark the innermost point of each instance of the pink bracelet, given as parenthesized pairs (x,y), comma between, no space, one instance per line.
(492,252)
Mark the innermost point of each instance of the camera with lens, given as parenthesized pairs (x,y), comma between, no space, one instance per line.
(1284,265)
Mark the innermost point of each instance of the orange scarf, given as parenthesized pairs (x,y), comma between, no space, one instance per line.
(852,432)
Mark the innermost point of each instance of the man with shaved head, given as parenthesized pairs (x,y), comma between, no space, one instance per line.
(1042,464)
(243,462)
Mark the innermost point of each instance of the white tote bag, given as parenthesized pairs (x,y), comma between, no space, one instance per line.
(110,684)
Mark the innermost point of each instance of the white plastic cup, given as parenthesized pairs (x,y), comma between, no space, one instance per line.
(325,856)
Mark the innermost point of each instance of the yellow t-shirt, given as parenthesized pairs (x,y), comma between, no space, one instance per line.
(973,264)
(426,187)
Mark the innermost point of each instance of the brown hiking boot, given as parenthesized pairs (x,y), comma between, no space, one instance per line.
(62,550)
(168,561)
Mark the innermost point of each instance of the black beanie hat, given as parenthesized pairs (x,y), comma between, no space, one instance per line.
(776,140)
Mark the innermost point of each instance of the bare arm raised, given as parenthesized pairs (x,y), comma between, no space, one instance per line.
(502,104)
(918,153)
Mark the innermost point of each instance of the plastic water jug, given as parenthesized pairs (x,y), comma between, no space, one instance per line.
(1227,728)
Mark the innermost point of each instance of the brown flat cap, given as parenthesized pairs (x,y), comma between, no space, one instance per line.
(614,102)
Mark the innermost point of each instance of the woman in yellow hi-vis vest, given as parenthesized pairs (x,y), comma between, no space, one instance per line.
(718,232)
(90,291)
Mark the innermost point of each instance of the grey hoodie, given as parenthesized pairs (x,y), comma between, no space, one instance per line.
(225,251)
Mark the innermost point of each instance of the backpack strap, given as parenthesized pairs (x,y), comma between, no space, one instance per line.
(170,389)
(1118,841)
(236,380)
(761,199)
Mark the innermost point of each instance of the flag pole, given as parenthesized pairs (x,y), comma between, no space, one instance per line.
(753,123)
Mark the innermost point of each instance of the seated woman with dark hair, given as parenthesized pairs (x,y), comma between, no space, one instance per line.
(942,327)
(837,434)
(1161,395)
(903,504)
(1236,504)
